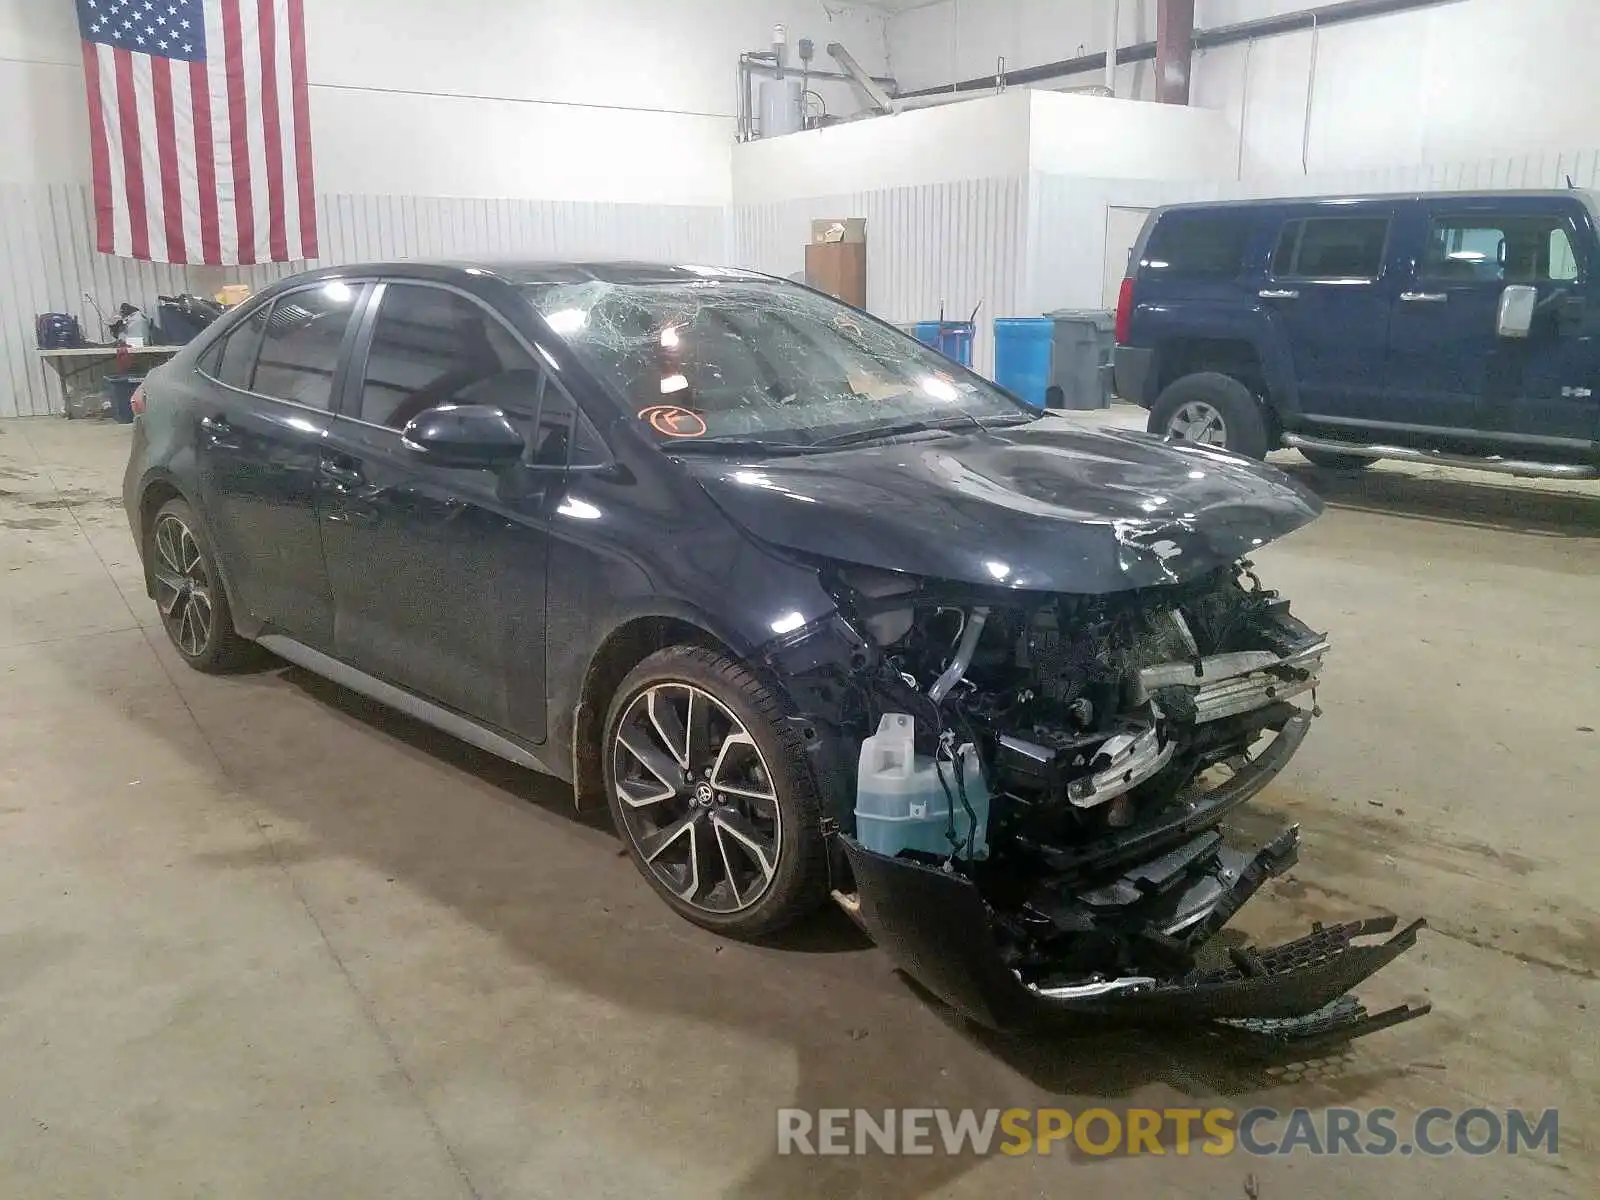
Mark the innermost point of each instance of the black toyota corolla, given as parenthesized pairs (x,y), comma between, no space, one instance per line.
(815,610)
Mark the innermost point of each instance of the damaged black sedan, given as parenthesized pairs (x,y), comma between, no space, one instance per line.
(817,612)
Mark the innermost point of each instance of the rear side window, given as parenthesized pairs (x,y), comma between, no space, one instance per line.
(301,344)
(234,363)
(1331,248)
(1499,249)
(1198,245)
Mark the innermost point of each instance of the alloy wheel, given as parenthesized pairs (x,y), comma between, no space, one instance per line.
(183,586)
(1200,422)
(697,798)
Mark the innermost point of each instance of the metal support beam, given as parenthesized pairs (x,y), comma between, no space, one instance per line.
(880,98)
(1174,50)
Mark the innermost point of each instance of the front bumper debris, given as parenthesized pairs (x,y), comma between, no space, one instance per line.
(936,928)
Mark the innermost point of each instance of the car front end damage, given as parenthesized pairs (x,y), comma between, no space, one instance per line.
(1116,734)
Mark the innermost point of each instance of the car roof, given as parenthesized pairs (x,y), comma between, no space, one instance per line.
(1382,198)
(528,271)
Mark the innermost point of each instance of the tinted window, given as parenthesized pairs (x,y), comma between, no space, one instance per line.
(300,348)
(431,346)
(1332,248)
(1491,249)
(236,362)
(1198,245)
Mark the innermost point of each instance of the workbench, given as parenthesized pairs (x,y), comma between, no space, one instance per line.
(82,371)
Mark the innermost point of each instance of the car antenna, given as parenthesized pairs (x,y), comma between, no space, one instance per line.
(1570,184)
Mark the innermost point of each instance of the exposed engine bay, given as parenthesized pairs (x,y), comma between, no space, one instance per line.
(1083,867)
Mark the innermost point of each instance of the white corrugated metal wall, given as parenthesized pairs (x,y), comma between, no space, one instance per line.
(939,247)
(48,261)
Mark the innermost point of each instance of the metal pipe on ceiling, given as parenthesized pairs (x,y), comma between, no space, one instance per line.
(1204,39)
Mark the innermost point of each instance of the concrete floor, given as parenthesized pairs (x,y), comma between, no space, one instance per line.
(260,938)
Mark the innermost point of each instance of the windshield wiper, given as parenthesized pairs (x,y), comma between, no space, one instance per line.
(897,428)
(731,445)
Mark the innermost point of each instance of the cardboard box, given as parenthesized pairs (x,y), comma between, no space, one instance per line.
(850,230)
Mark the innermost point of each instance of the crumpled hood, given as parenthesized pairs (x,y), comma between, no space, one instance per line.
(1047,506)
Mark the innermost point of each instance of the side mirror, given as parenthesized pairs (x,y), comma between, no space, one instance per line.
(464,435)
(1515,317)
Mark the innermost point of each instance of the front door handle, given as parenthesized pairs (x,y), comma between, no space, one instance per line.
(343,471)
(1424,297)
(1278,294)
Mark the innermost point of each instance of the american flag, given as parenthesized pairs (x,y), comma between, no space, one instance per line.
(199,129)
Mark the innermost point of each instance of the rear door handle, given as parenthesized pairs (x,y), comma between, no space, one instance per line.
(1424,297)
(218,432)
(1278,294)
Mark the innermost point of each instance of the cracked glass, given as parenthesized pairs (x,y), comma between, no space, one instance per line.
(736,360)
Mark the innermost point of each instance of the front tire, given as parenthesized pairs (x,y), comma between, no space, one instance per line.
(711,793)
(1214,410)
(189,593)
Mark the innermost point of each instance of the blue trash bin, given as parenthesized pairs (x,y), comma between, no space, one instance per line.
(953,339)
(1023,354)
(119,395)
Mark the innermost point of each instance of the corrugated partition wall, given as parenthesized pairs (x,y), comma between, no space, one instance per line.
(946,246)
(48,261)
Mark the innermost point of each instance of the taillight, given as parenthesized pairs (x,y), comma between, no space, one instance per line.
(137,403)
(1124,327)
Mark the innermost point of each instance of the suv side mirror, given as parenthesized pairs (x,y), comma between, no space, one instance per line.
(464,435)
(1515,317)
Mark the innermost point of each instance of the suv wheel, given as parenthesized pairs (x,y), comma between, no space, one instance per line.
(188,591)
(1214,410)
(1330,460)
(711,793)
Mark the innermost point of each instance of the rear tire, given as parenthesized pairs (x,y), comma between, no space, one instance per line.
(1330,460)
(189,593)
(711,793)
(1212,409)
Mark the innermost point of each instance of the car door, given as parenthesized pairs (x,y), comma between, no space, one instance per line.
(438,573)
(1329,291)
(1446,358)
(258,447)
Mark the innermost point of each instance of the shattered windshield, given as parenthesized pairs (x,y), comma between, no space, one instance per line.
(733,360)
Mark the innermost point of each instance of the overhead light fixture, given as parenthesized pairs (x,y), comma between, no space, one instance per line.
(673,383)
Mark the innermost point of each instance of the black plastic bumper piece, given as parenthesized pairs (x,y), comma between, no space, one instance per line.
(1133,374)
(936,928)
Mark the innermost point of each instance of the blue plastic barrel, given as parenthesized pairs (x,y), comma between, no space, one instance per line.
(953,339)
(119,394)
(1022,356)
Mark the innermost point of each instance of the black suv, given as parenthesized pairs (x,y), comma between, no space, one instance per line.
(687,538)
(1453,328)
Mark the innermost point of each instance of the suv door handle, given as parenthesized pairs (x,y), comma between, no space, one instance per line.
(1424,297)
(1278,294)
